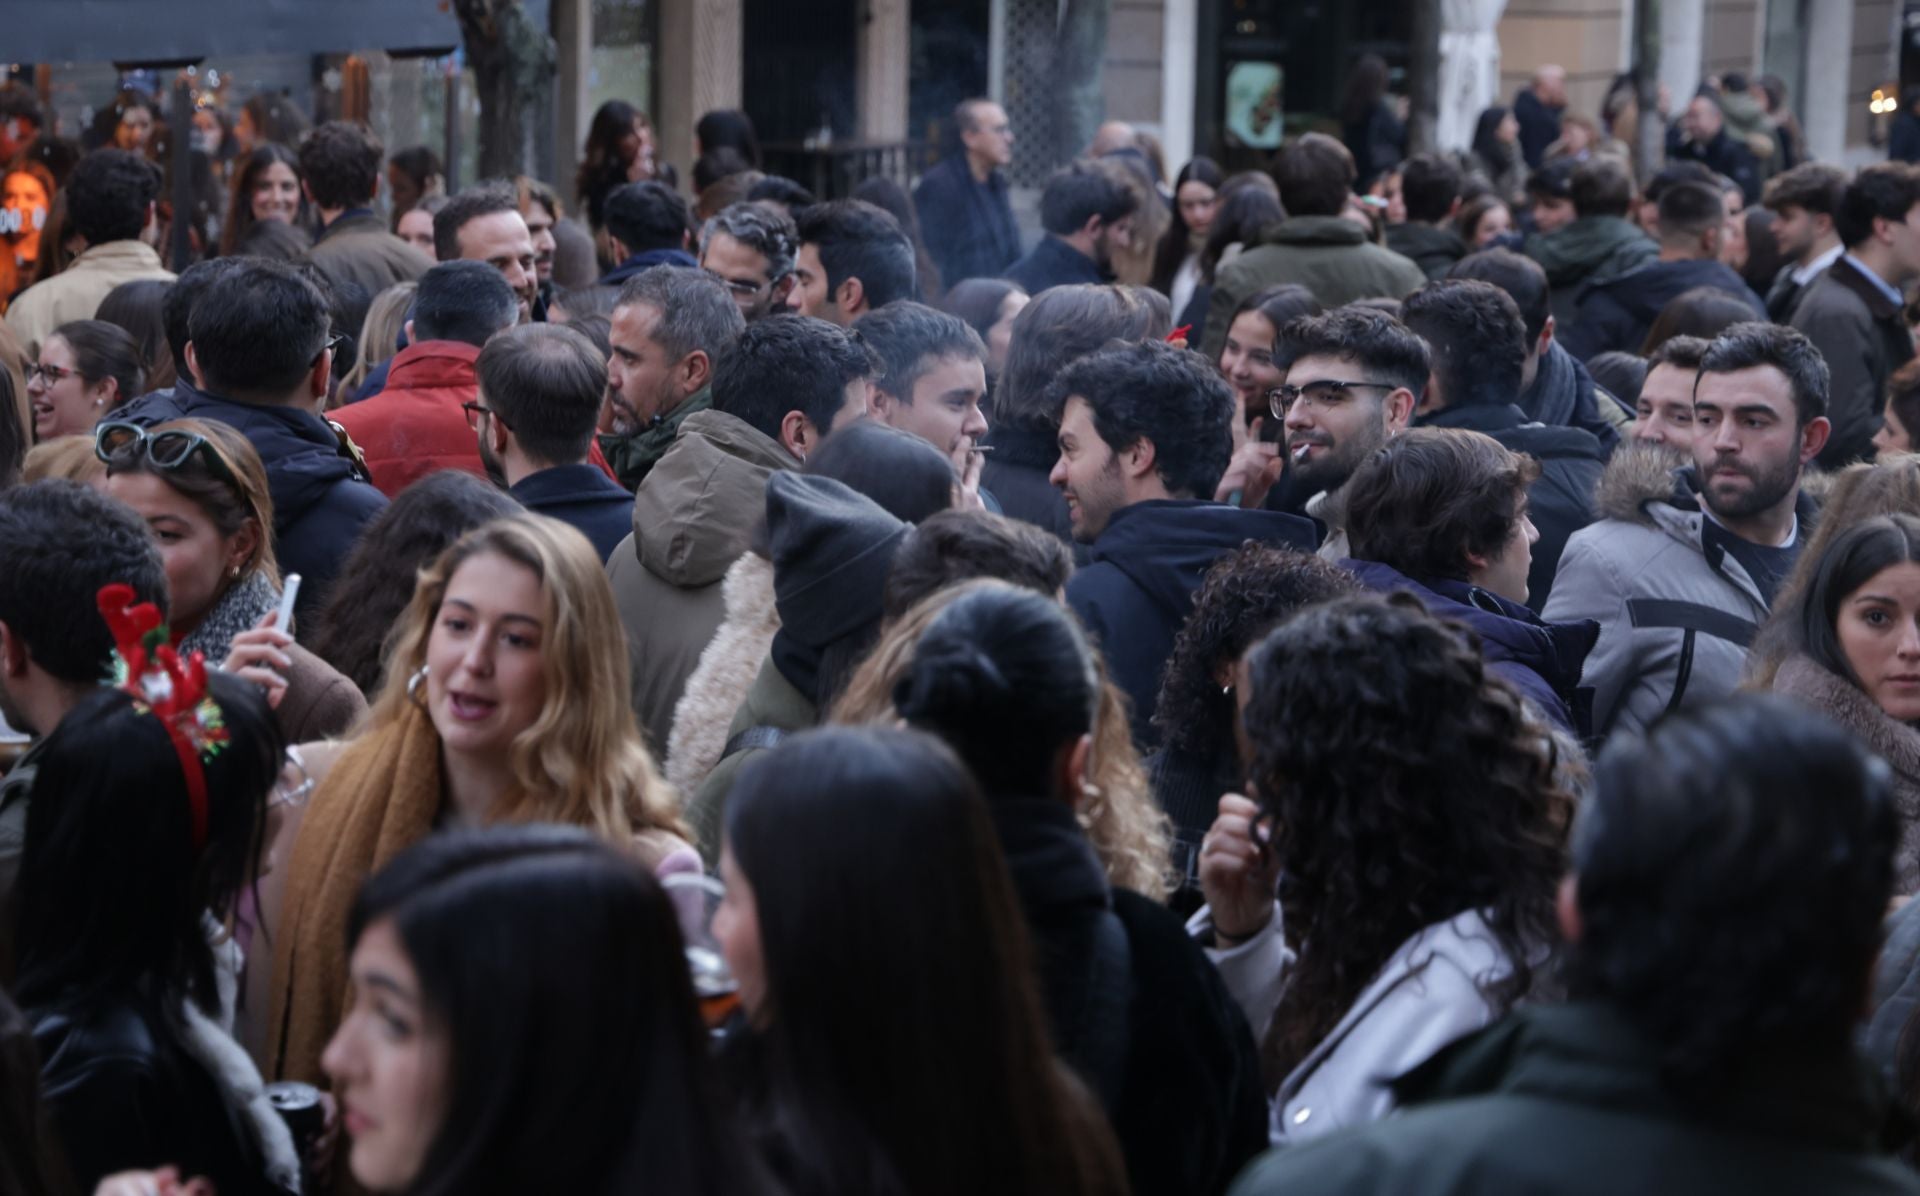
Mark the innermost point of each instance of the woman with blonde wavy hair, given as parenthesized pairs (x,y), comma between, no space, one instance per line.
(501,705)
(1128,831)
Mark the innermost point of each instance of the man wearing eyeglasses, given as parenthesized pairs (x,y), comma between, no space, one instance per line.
(966,217)
(1353,377)
(752,249)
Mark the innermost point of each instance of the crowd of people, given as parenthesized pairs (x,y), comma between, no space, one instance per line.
(1336,679)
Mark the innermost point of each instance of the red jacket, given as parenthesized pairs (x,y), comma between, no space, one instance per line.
(415,426)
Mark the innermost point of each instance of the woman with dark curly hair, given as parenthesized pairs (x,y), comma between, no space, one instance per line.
(1409,819)
(1244,596)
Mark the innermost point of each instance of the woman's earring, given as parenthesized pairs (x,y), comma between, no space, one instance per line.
(414,682)
(1225,690)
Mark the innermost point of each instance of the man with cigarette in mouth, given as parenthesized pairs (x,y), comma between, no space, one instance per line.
(1354,376)
(932,383)
(1145,432)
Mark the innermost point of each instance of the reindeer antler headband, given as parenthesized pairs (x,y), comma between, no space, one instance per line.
(172,689)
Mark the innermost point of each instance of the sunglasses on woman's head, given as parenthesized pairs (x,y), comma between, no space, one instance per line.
(117,440)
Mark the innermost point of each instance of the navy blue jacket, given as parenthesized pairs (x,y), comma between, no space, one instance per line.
(641,262)
(1539,125)
(1137,590)
(584,497)
(1053,263)
(1560,501)
(1617,313)
(322,499)
(968,226)
(1542,660)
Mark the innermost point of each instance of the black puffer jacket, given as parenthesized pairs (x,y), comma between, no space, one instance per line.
(1137,592)
(1617,313)
(322,497)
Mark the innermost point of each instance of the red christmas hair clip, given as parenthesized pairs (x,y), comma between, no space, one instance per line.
(173,690)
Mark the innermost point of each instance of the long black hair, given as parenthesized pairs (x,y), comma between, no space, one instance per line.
(112,892)
(1849,562)
(1006,678)
(240,219)
(872,1069)
(602,169)
(1177,242)
(1410,787)
(555,968)
(377,581)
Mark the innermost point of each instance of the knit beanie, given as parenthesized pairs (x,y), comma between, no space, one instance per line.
(831,548)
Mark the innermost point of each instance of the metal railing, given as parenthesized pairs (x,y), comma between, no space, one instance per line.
(833,171)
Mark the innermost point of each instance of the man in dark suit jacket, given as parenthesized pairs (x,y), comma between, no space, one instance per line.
(340,168)
(538,402)
(966,218)
(1538,110)
(1852,313)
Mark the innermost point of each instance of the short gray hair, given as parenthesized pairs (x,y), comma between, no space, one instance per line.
(696,312)
(765,228)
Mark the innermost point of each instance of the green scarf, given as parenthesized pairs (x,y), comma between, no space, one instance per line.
(633,456)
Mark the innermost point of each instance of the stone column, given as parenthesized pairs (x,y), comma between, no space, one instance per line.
(1469,67)
(1180,34)
(572,25)
(1829,51)
(1682,47)
(885,51)
(698,65)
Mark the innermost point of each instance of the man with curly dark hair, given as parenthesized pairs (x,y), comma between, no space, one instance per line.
(111,201)
(1409,814)
(1145,433)
(1202,751)
(1724,910)
(340,164)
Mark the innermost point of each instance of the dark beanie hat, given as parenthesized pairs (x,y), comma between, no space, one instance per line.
(831,548)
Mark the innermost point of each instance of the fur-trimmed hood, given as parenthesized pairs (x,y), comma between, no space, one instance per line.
(1641,473)
(725,673)
(1638,474)
(1807,682)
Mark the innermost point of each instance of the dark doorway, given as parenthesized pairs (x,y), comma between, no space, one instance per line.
(799,68)
(1279,67)
(949,63)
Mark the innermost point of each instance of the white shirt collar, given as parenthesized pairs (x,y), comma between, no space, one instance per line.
(1886,288)
(1802,275)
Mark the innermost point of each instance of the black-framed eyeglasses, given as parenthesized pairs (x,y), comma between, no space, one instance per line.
(1324,395)
(52,373)
(748,289)
(118,443)
(475,411)
(334,342)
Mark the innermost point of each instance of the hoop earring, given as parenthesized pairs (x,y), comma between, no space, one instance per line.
(414,682)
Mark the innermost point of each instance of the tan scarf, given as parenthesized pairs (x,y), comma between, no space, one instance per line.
(381,797)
